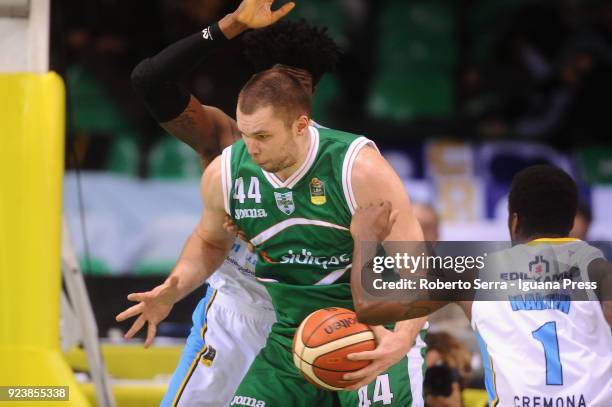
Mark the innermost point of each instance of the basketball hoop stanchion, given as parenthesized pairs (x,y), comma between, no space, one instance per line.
(32,112)
(32,133)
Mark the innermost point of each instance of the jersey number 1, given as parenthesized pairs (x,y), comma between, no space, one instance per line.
(547,335)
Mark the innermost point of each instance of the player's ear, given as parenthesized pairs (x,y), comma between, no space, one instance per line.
(302,124)
(513,224)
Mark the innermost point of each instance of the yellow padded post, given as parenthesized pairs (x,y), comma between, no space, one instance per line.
(32,117)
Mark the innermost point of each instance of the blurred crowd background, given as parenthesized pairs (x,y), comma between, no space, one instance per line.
(458,94)
(412,70)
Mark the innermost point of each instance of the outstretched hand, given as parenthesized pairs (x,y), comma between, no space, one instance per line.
(153,307)
(259,13)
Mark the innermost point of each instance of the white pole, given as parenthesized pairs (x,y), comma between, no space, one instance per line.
(24,36)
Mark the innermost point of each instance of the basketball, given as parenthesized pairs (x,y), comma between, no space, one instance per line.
(322,342)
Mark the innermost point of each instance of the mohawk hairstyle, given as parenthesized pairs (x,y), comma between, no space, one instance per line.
(293,43)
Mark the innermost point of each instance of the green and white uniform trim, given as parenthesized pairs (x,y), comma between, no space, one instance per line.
(300,226)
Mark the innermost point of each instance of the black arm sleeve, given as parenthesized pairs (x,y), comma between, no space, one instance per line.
(156,79)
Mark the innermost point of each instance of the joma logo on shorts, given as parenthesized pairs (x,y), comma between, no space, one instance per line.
(250,213)
(343,323)
(247,401)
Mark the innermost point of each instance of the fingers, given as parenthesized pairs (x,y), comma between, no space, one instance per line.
(361,383)
(386,210)
(230,228)
(229,225)
(137,297)
(354,387)
(359,374)
(135,327)
(365,355)
(364,376)
(130,312)
(393,218)
(282,12)
(151,331)
(379,332)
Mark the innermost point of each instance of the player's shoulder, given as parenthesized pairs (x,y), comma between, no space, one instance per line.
(574,251)
(336,137)
(586,251)
(212,171)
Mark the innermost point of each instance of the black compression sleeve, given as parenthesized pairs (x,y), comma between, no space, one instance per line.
(156,79)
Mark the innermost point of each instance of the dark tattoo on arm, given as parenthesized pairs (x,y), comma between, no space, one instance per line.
(198,130)
(185,123)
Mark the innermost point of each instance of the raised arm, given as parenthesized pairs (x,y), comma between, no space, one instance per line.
(156,79)
(203,253)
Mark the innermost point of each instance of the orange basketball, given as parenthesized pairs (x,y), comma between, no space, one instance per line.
(321,344)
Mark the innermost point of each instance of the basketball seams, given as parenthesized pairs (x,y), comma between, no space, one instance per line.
(314,362)
(306,356)
(328,370)
(342,340)
(336,344)
(346,336)
(313,331)
(311,376)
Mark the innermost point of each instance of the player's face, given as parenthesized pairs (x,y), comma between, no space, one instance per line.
(269,139)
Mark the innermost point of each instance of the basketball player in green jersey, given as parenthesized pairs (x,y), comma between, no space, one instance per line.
(292,189)
(390,347)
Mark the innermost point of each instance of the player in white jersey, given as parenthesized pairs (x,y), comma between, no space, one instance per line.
(549,350)
(232,321)
(550,345)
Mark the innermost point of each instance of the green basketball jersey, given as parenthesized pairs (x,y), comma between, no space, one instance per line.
(300,226)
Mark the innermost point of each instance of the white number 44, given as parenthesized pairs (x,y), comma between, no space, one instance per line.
(253,192)
(382,392)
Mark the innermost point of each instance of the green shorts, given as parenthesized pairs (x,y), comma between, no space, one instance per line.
(274,381)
